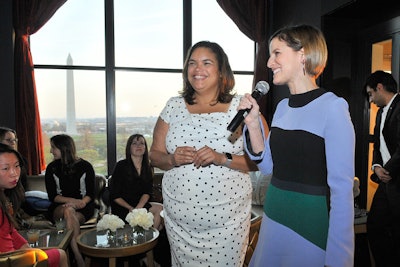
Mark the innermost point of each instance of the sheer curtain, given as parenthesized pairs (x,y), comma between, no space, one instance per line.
(28,17)
(251,18)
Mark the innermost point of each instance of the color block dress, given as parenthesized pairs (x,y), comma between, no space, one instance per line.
(77,183)
(308,210)
(207,209)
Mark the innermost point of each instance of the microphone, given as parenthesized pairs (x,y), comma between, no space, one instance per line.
(262,88)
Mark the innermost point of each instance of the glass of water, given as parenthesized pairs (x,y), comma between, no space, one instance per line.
(60,225)
(33,237)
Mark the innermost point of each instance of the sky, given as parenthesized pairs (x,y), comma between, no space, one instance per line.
(147,34)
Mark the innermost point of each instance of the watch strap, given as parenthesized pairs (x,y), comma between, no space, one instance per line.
(228,161)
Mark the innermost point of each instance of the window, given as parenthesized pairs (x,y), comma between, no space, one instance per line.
(148,33)
(69,54)
(76,29)
(211,23)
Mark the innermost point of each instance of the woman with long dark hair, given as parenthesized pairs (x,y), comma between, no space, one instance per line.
(131,184)
(70,184)
(11,197)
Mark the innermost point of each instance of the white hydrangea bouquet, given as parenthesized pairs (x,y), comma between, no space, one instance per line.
(141,218)
(110,222)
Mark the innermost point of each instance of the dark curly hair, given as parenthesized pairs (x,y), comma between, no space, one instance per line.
(380,76)
(227,81)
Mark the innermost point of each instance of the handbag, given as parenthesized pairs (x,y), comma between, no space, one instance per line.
(374,178)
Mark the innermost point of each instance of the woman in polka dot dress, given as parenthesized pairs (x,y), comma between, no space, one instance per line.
(206,187)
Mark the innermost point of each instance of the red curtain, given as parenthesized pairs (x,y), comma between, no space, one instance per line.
(251,18)
(28,17)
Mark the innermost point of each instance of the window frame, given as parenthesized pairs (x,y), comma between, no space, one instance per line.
(110,70)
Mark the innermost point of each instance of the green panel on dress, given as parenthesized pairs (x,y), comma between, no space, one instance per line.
(305,214)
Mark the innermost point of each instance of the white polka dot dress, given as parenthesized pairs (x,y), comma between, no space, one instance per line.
(206,210)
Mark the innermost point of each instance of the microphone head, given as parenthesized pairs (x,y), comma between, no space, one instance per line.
(262,87)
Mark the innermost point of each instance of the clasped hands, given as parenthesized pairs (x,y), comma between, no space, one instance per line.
(200,158)
(75,204)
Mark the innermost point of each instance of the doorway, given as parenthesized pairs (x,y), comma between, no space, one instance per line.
(381,59)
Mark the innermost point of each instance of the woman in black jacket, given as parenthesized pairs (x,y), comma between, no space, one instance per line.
(131,184)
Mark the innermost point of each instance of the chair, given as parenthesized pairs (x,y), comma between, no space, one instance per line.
(106,196)
(100,206)
(253,238)
(24,258)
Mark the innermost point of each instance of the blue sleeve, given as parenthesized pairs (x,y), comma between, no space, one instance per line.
(340,146)
(264,160)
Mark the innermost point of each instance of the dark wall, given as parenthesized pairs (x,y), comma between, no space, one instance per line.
(329,6)
(7,96)
(289,12)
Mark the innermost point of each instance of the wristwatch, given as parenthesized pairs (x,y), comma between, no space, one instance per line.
(228,161)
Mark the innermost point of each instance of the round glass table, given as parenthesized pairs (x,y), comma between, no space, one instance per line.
(125,242)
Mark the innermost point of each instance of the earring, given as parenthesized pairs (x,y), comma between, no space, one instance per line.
(304,68)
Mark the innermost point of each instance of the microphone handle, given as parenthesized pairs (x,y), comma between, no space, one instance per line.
(237,120)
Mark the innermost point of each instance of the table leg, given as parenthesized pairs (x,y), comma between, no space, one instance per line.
(87,261)
(112,262)
(68,260)
(150,258)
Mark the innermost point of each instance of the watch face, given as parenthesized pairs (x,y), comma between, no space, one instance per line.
(229,156)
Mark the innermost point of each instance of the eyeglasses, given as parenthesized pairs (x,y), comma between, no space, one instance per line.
(11,140)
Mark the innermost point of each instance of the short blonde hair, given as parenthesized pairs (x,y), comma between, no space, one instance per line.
(312,40)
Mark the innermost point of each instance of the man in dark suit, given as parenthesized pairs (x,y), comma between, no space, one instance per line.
(383,224)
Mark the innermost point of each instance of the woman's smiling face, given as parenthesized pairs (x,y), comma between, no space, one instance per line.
(203,73)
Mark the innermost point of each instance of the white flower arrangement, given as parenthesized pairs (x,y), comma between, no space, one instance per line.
(111,222)
(140,217)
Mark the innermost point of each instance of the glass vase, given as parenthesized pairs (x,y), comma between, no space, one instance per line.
(139,234)
(111,236)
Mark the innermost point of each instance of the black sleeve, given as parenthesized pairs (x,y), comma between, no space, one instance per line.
(50,183)
(116,181)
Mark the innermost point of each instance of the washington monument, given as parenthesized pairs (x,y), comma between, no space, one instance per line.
(71,117)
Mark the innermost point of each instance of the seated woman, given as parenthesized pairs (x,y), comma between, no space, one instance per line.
(70,183)
(31,203)
(8,137)
(11,196)
(132,181)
